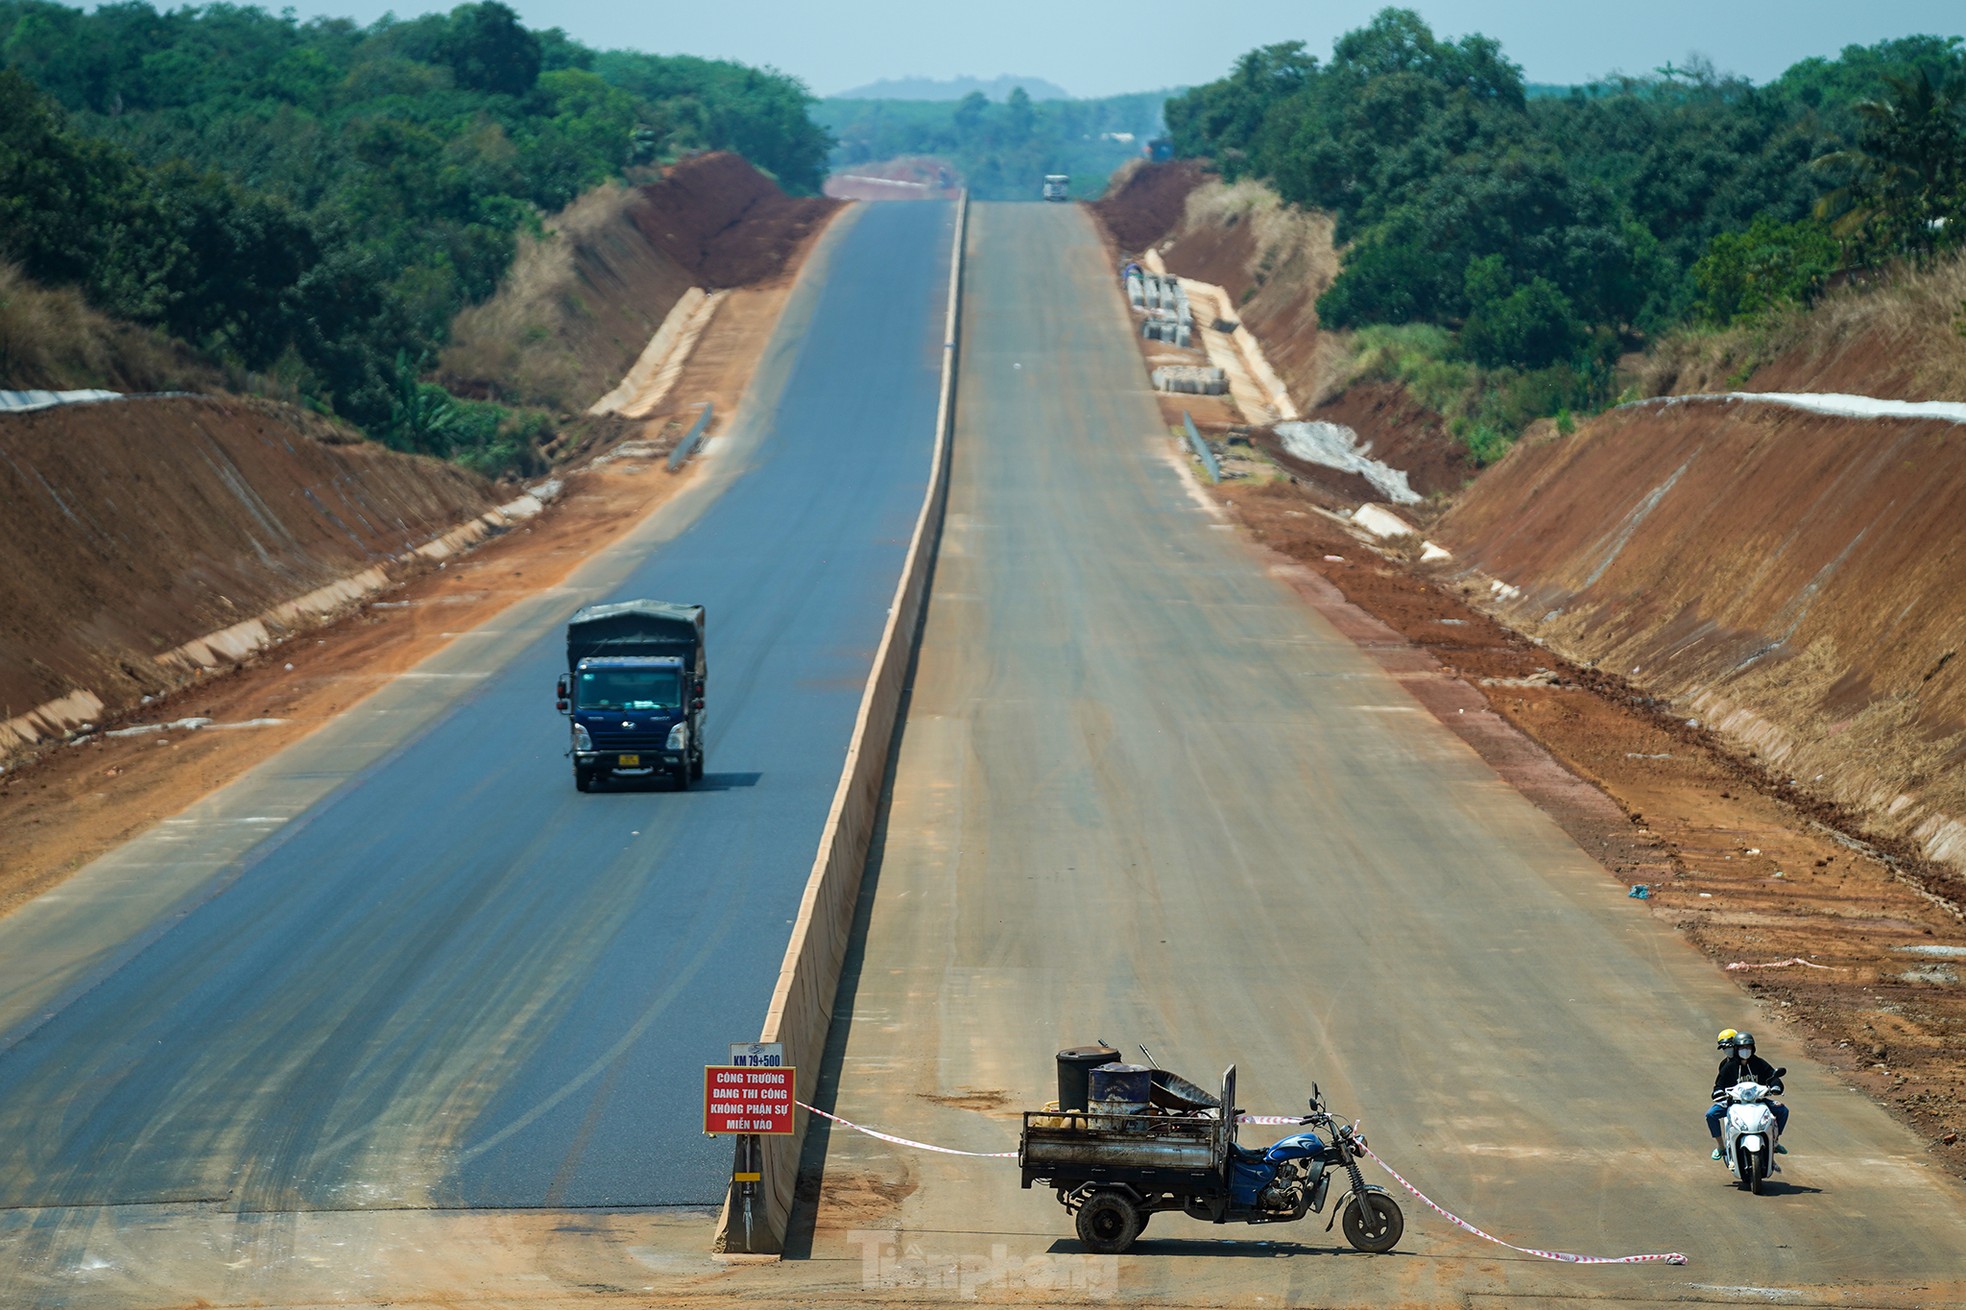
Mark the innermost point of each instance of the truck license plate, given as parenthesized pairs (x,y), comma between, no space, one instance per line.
(631,761)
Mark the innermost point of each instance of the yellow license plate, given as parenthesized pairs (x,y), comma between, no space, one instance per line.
(631,761)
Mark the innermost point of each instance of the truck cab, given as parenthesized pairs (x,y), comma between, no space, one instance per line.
(634,692)
(629,717)
(1057,186)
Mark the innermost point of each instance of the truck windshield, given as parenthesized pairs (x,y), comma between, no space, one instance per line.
(630,689)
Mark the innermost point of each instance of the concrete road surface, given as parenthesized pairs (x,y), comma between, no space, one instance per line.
(1144,794)
(405,964)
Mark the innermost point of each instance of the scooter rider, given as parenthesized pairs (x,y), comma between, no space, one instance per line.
(1742,1065)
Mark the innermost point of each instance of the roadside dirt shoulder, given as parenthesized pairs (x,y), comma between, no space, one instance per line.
(1835,938)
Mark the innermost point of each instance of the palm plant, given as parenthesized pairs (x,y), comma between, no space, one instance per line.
(1904,187)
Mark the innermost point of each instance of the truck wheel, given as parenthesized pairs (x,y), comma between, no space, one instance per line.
(583,779)
(696,766)
(682,775)
(1376,1231)
(1108,1223)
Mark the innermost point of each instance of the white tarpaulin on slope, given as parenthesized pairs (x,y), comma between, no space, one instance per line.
(1335,446)
(22,401)
(1826,402)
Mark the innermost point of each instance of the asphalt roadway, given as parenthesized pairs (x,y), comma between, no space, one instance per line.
(1147,795)
(405,964)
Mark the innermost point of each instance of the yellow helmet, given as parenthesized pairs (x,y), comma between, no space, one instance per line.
(1727,1035)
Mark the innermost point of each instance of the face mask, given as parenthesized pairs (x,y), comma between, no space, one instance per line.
(1744,1053)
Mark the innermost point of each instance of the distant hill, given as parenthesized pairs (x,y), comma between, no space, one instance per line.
(954,88)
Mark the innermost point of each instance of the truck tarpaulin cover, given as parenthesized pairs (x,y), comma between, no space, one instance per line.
(637,627)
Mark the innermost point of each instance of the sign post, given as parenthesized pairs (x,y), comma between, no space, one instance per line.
(755,1094)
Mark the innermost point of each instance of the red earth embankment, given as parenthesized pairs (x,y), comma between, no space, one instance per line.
(135,527)
(1796,582)
(578,306)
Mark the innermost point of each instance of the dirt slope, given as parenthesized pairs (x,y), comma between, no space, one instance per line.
(1794,580)
(580,304)
(133,527)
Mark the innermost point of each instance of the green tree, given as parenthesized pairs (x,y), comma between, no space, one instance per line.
(490,51)
(970,112)
(1524,327)
(1020,119)
(1744,274)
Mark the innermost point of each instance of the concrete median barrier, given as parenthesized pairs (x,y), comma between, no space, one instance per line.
(755,1215)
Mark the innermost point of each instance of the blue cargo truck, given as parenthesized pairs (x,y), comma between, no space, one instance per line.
(633,690)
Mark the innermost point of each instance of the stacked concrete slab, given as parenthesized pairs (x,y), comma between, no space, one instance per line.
(1163,302)
(1191,380)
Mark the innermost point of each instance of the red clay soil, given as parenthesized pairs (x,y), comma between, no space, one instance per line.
(1793,579)
(724,222)
(135,526)
(1868,364)
(1225,256)
(1147,202)
(1756,875)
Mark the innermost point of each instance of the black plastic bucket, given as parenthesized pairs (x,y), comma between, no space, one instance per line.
(1075,1064)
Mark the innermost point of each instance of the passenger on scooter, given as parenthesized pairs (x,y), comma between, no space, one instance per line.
(1742,1065)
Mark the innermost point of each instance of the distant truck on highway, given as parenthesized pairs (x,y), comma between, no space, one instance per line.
(633,691)
(1057,186)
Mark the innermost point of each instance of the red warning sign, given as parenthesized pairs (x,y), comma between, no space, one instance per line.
(739,1100)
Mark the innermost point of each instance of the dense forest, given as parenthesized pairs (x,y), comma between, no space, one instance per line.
(1001,150)
(311,203)
(1504,245)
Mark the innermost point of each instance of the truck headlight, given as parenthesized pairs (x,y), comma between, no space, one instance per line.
(582,741)
(679,736)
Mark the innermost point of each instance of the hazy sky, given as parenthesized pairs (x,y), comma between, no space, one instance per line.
(1103,47)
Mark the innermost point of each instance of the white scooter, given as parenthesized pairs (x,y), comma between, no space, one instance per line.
(1747,1132)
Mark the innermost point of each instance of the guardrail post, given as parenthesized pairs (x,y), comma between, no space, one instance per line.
(1202,452)
(690,438)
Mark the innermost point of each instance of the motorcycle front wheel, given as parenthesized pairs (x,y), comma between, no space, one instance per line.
(1373,1222)
(1754,1169)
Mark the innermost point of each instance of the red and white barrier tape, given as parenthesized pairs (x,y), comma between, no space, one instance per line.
(1671,1258)
(903,1141)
